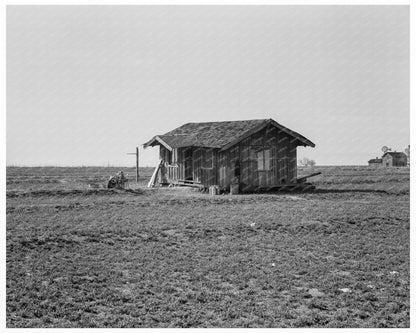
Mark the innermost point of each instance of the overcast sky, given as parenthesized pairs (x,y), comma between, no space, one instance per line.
(87,84)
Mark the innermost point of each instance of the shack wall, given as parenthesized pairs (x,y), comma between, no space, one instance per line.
(190,163)
(205,165)
(266,158)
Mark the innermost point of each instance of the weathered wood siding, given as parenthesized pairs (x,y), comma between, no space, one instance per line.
(190,163)
(205,165)
(273,149)
(165,155)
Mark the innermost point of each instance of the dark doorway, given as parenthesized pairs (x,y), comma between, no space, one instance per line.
(237,171)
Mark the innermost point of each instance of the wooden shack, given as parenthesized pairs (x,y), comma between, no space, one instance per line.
(394,159)
(253,154)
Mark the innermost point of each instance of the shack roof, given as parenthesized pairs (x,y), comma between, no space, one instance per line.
(221,134)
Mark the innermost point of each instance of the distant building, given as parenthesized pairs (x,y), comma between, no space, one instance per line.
(375,162)
(394,159)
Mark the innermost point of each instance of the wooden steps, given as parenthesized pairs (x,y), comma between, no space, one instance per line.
(188,183)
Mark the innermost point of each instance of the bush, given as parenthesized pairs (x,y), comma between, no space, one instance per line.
(307,162)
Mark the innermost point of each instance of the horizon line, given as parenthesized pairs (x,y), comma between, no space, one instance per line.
(150,166)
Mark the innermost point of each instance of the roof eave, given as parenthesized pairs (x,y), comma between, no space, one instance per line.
(304,141)
(150,143)
(157,140)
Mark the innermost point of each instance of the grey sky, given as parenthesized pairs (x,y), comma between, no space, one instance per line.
(86,84)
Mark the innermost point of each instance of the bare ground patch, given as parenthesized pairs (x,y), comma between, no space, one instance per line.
(183,259)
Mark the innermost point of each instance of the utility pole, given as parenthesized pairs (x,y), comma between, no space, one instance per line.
(137,163)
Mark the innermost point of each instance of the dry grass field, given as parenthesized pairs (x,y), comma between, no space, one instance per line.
(79,255)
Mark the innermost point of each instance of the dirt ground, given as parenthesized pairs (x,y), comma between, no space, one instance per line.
(79,255)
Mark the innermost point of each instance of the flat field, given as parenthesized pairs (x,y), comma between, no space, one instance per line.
(79,255)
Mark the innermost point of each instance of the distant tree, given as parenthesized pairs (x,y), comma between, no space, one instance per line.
(307,162)
(407,152)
